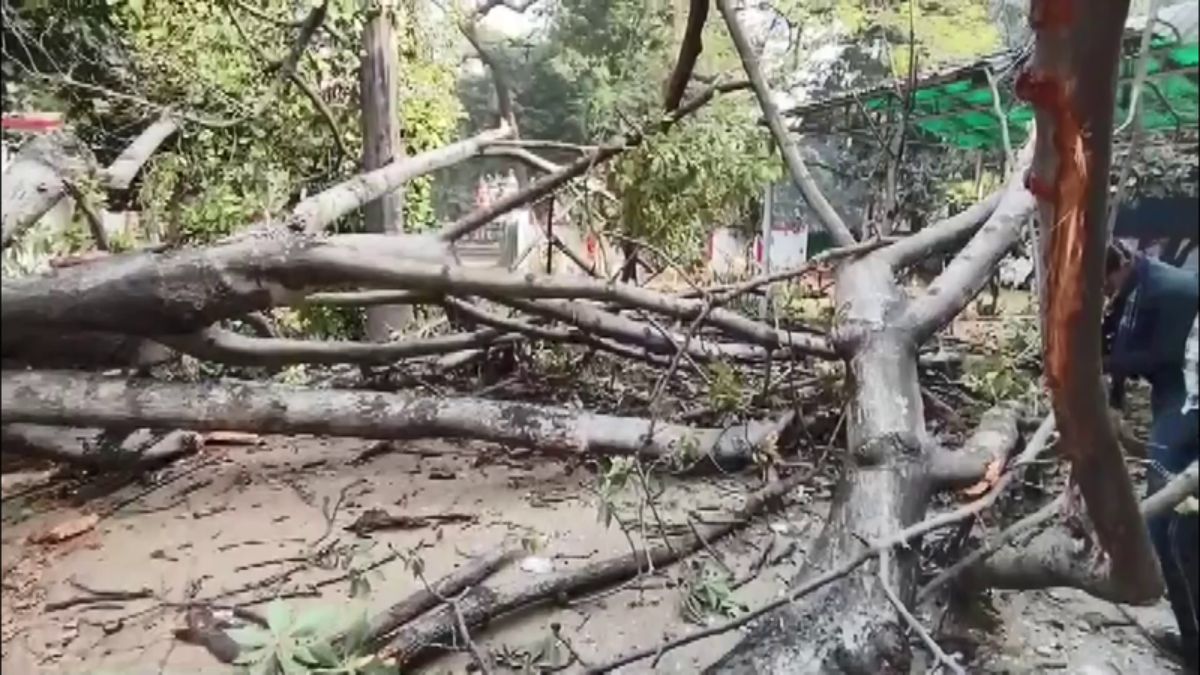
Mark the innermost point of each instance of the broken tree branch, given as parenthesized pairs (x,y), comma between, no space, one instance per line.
(225,346)
(64,398)
(383,624)
(690,48)
(988,446)
(61,444)
(968,273)
(803,179)
(320,210)
(888,543)
(120,174)
(549,183)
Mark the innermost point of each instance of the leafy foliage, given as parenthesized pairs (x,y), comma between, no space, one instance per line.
(1008,369)
(707,591)
(322,640)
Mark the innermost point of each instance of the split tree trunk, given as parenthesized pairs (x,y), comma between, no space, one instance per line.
(382,144)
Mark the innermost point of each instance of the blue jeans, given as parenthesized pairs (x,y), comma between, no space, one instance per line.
(1175,444)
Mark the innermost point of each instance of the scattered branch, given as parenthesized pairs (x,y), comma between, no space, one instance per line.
(482,604)
(943,659)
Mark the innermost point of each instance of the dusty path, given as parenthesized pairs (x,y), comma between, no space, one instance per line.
(235,515)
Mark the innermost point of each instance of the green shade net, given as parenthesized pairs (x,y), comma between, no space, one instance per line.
(961,113)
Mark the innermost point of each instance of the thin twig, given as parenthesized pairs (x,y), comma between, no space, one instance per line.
(942,657)
(466,635)
(899,539)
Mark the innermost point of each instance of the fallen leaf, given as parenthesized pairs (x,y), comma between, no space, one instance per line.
(990,476)
(67,530)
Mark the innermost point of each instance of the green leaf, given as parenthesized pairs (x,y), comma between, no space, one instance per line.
(315,621)
(356,634)
(323,654)
(249,637)
(279,615)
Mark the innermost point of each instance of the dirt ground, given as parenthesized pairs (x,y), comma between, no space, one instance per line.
(224,523)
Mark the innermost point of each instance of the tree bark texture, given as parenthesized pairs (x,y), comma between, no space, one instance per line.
(382,144)
(62,398)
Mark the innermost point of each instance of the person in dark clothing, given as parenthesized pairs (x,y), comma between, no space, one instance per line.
(1150,332)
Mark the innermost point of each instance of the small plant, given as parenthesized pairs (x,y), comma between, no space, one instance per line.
(708,592)
(612,482)
(725,391)
(687,453)
(323,640)
(1002,373)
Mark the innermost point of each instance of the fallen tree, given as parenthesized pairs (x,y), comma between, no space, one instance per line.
(853,618)
(849,625)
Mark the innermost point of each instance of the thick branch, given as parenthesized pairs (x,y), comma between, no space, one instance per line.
(974,265)
(787,147)
(988,447)
(180,292)
(317,212)
(80,349)
(689,50)
(941,236)
(224,346)
(61,444)
(34,181)
(61,398)
(120,174)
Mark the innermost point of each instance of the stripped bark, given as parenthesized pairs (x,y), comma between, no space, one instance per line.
(62,398)
(1071,82)
(994,438)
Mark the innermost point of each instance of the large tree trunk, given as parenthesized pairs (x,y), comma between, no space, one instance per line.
(850,625)
(382,144)
(890,465)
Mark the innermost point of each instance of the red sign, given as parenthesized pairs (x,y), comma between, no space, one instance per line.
(34,123)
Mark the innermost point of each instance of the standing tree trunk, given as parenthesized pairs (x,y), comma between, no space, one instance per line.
(382,143)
